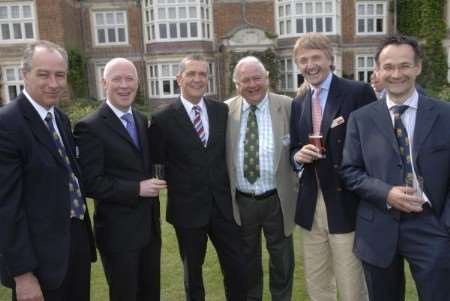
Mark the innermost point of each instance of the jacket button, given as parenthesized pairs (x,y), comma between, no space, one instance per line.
(339,189)
(336,166)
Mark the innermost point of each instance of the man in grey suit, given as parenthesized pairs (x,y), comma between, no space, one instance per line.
(263,185)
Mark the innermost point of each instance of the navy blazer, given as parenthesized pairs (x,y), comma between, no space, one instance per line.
(344,97)
(34,195)
(372,165)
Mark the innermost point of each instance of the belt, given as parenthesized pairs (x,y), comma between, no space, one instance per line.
(258,197)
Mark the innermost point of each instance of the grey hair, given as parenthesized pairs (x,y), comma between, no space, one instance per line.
(31,48)
(248,60)
(192,57)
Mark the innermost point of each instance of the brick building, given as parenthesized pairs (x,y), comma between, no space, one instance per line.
(156,34)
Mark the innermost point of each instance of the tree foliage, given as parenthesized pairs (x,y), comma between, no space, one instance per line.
(77,72)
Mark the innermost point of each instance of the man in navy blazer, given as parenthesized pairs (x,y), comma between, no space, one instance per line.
(394,222)
(45,230)
(326,211)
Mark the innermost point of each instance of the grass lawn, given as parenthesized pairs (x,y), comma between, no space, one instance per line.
(172,274)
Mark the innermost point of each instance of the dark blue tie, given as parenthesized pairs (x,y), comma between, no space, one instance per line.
(131,128)
(77,206)
(402,138)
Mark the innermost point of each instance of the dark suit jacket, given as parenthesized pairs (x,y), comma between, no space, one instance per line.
(372,165)
(344,97)
(196,176)
(34,195)
(113,167)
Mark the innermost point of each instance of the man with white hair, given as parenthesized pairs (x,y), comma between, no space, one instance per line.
(115,159)
(263,186)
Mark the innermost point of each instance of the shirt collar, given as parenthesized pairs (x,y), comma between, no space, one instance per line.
(116,111)
(325,85)
(261,105)
(412,101)
(42,111)
(189,105)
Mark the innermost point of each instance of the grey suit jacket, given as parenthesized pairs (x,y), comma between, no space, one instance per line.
(287,184)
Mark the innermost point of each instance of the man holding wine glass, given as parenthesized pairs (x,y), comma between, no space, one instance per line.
(326,212)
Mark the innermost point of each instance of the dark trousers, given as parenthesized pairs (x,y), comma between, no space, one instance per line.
(134,275)
(76,284)
(425,244)
(265,215)
(225,236)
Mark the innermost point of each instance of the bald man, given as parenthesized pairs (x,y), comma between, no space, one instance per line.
(115,160)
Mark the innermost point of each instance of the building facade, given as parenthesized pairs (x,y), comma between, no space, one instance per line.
(156,34)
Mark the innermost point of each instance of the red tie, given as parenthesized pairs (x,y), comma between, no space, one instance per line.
(316,111)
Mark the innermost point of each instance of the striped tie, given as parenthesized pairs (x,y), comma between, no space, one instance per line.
(198,124)
(316,111)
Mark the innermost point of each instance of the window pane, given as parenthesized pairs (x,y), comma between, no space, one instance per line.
(29,30)
(328,24)
(121,33)
(379,25)
(176,88)
(120,18)
(17,31)
(309,8)
(379,9)
(111,35)
(183,30)
(299,25)
(26,11)
(15,12)
(174,69)
(299,8)
(12,91)
(328,7)
(202,13)
(99,19)
(288,26)
(360,62)
(172,13)
(361,25)
(166,87)
(361,9)
(282,27)
(193,27)
(318,7)
(369,62)
(162,31)
(281,11)
(370,25)
(162,13)
(182,13)
(192,12)
(173,30)
(3,12)
(10,74)
(290,82)
(165,70)
(147,16)
(101,35)
(361,75)
(109,18)
(288,10)
(370,9)
(5,32)
(309,25)
(319,25)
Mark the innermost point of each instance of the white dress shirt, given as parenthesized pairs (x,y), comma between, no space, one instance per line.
(119,113)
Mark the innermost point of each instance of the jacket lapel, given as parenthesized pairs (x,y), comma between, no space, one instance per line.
(383,121)
(425,119)
(332,106)
(38,128)
(141,128)
(185,122)
(277,128)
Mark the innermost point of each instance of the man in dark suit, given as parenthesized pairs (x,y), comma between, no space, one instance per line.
(325,211)
(45,230)
(401,138)
(191,133)
(115,159)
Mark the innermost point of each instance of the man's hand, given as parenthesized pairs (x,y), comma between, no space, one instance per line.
(307,154)
(151,187)
(404,199)
(28,288)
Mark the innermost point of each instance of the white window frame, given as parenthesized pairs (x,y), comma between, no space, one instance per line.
(157,79)
(364,64)
(178,18)
(114,25)
(18,21)
(368,17)
(307,13)
(99,68)
(288,74)
(16,82)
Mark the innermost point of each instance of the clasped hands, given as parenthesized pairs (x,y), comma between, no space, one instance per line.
(404,199)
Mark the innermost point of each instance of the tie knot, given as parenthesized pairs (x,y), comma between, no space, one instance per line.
(49,117)
(127,117)
(399,110)
(197,109)
(253,108)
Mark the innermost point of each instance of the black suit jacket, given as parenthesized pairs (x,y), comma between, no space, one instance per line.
(34,195)
(113,167)
(196,176)
(344,97)
(372,165)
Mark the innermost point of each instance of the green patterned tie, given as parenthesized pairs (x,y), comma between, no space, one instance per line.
(251,147)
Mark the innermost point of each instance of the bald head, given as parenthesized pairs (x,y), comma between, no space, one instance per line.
(118,61)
